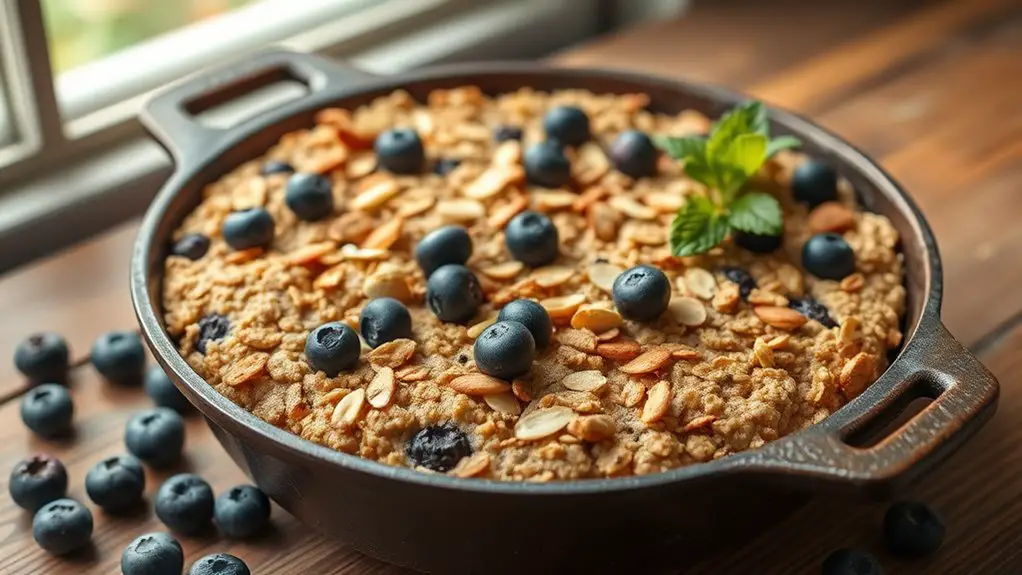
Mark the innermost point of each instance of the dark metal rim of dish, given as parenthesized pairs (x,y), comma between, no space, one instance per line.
(772,459)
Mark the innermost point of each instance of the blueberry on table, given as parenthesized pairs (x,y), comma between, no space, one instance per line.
(191,246)
(43,358)
(851,562)
(241,511)
(814,183)
(812,309)
(162,391)
(567,124)
(332,348)
(155,436)
(547,165)
(507,132)
(634,154)
(384,319)
(442,246)
(119,357)
(276,167)
(47,410)
(532,239)
(505,350)
(212,327)
(756,243)
(400,151)
(444,166)
(116,483)
(153,554)
(219,564)
(828,256)
(184,503)
(251,228)
(438,447)
(741,277)
(309,196)
(453,293)
(36,481)
(62,526)
(912,529)
(533,316)
(641,293)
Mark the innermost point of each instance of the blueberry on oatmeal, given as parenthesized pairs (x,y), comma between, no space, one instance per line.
(47,410)
(438,447)
(309,196)
(568,125)
(547,165)
(642,293)
(446,245)
(634,154)
(212,327)
(400,151)
(384,319)
(276,167)
(251,228)
(742,278)
(505,132)
(444,166)
(504,350)
(828,256)
(757,243)
(191,246)
(812,309)
(119,356)
(532,239)
(43,358)
(153,554)
(332,348)
(62,526)
(453,293)
(814,182)
(36,481)
(533,316)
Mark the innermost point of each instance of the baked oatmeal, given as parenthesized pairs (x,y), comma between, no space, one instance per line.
(298,288)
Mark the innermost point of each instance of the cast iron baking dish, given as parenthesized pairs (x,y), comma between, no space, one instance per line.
(441,524)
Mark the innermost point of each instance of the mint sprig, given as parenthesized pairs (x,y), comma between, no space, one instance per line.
(738,145)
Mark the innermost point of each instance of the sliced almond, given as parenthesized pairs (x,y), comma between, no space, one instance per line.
(604,221)
(384,236)
(682,351)
(632,393)
(658,401)
(504,271)
(413,205)
(831,217)
(501,216)
(596,319)
(590,164)
(562,308)
(381,389)
(388,283)
(350,227)
(853,283)
(246,369)
(348,410)
(412,373)
(856,374)
(472,466)
(580,339)
(252,194)
(760,297)
(587,198)
(552,276)
(645,233)
(778,342)
(553,200)
(493,181)
(631,208)
(476,329)
(780,317)
(762,352)
(590,380)
(608,335)
(687,311)
(503,403)
(310,254)
(508,153)
(478,384)
(664,202)
(521,390)
(244,256)
(375,196)
(393,354)
(360,164)
(355,253)
(647,362)
(625,350)
(460,210)
(592,428)
(701,283)
(602,275)
(701,422)
(543,423)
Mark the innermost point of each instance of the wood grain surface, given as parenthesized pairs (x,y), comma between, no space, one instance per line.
(932,89)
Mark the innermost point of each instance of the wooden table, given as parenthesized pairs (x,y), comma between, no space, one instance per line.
(931,89)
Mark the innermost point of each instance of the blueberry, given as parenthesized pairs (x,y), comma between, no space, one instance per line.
(533,316)
(506,132)
(116,483)
(332,348)
(741,277)
(567,124)
(532,239)
(153,554)
(814,183)
(309,196)
(43,358)
(219,564)
(162,391)
(276,167)
(453,293)
(155,436)
(119,356)
(641,293)
(634,154)
(242,511)
(812,309)
(438,447)
(828,256)
(912,529)
(444,166)
(757,243)
(505,350)
(384,319)
(62,526)
(400,151)
(47,410)
(191,246)
(547,165)
(37,481)
(184,503)
(251,228)
(212,327)
(446,245)
(851,562)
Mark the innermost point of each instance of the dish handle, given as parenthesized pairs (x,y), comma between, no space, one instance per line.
(171,115)
(844,452)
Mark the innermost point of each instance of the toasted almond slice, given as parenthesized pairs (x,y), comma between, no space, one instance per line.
(503,271)
(352,252)
(521,390)
(360,164)
(632,393)
(762,352)
(604,221)
(553,200)
(853,283)
(658,401)
(324,160)
(381,389)
(393,354)
(388,283)
(246,369)
(552,276)
(597,319)
(543,423)
(779,342)
(590,164)
(412,373)
(244,256)
(780,317)
(631,208)
(682,351)
(664,202)
(701,422)
(350,227)
(562,308)
(508,153)
(602,275)
(476,329)
(647,362)
(592,428)
(856,373)
(413,206)
(608,335)
(587,198)
(251,195)
(384,236)
(472,466)
(478,384)
(580,339)
(501,216)
(375,196)
(310,254)
(460,210)
(590,380)
(688,311)
(701,283)
(348,410)
(330,279)
(493,181)
(831,217)
(645,233)
(625,350)
(503,403)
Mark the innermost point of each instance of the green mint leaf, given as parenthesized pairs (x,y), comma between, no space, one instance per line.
(782,143)
(697,228)
(681,148)
(746,154)
(756,213)
(746,118)
(700,171)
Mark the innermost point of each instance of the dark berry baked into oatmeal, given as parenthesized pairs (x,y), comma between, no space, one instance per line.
(535,286)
